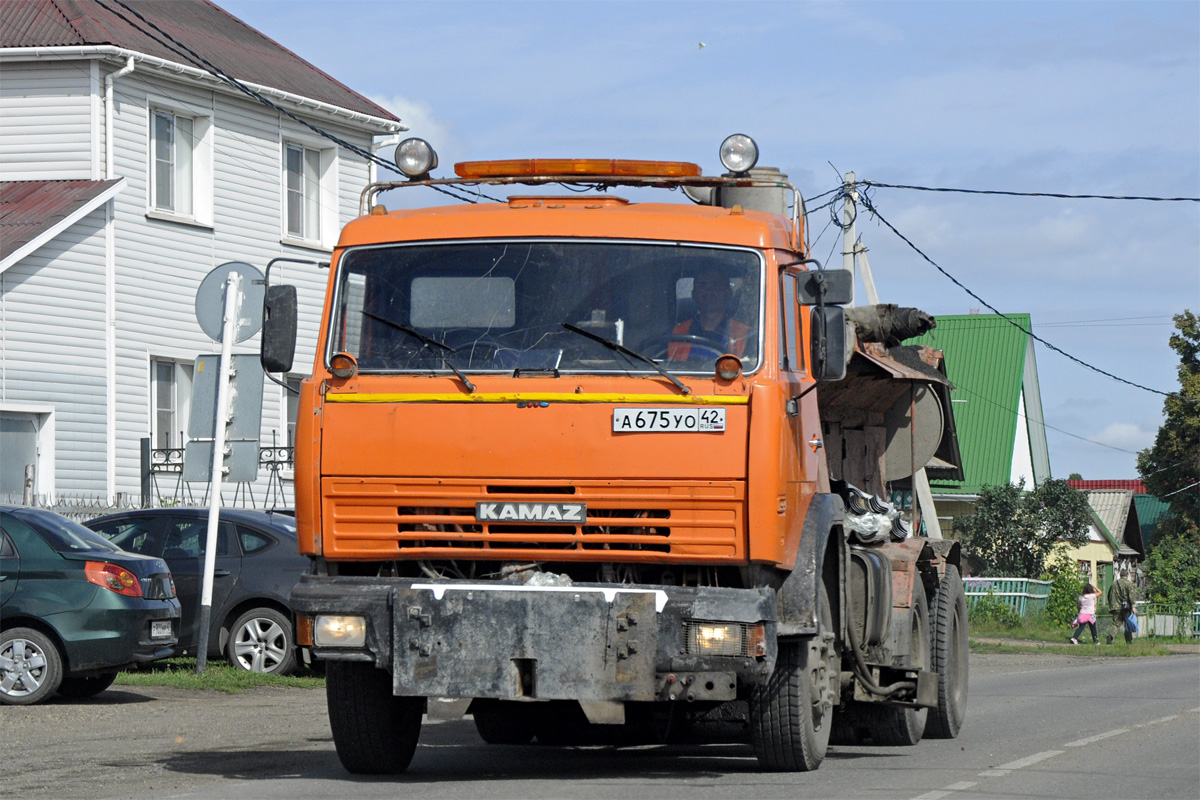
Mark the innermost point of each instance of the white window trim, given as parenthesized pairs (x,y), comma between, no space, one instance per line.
(183,404)
(202,162)
(44,478)
(330,223)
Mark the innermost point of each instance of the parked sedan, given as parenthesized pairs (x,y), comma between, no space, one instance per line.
(257,564)
(75,609)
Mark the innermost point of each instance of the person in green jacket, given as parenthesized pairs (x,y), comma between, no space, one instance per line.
(1120,604)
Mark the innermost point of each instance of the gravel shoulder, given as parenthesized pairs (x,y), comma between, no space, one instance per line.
(162,742)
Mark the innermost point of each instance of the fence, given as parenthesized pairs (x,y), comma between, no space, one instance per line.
(1021,594)
(1161,619)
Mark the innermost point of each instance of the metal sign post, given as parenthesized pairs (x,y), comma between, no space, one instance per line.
(233,304)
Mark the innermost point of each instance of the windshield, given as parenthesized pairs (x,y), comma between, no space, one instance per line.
(65,535)
(527,307)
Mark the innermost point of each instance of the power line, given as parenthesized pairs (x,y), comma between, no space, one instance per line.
(195,59)
(1059,195)
(866,201)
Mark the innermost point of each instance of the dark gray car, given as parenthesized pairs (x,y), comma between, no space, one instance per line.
(256,566)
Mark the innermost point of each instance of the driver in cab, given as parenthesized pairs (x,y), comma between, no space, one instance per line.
(710,324)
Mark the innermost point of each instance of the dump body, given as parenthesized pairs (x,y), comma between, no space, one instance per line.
(569,451)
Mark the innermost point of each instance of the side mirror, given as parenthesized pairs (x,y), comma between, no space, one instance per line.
(837,286)
(278,348)
(828,328)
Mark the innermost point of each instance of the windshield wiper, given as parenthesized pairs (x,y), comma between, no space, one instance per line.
(620,348)
(427,342)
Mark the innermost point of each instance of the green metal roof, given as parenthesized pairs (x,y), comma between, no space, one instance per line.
(985,360)
(1151,512)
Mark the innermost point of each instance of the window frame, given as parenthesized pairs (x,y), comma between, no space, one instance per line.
(181,400)
(200,160)
(325,198)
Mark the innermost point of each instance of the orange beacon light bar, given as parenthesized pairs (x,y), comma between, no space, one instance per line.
(537,167)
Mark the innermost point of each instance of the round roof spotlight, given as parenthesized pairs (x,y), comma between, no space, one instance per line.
(343,365)
(729,367)
(739,153)
(415,158)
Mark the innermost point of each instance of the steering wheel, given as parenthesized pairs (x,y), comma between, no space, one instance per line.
(702,348)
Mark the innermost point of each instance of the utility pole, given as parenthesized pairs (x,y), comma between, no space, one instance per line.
(853,252)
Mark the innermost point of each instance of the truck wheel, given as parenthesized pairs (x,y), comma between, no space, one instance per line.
(30,667)
(904,726)
(374,731)
(949,650)
(504,723)
(792,713)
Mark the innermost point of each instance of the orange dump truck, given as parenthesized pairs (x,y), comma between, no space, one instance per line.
(598,470)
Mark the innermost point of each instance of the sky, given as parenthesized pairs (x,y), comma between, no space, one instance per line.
(1072,98)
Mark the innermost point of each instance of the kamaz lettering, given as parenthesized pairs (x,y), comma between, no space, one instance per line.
(531,512)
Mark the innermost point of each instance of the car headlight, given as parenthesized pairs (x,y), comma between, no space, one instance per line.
(331,630)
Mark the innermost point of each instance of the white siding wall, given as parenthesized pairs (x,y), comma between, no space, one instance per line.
(45,121)
(160,263)
(52,321)
(53,302)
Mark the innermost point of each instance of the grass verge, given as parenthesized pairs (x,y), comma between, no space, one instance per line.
(180,673)
(1140,647)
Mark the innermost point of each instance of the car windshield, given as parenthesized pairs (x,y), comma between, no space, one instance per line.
(64,535)
(527,307)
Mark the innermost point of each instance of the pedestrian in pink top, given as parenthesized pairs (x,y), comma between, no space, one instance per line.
(1087,613)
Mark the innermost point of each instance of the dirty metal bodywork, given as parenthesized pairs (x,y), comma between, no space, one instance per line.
(462,639)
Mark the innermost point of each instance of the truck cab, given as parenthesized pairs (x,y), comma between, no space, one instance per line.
(562,462)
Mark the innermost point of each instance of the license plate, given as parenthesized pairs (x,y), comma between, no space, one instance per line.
(160,630)
(668,420)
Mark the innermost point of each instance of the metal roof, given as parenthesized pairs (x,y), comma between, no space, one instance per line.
(1116,510)
(1137,487)
(211,32)
(985,360)
(28,208)
(1151,512)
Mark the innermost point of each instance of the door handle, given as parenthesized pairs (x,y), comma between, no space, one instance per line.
(220,573)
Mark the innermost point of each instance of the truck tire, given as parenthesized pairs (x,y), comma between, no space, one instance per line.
(505,723)
(374,731)
(949,657)
(791,715)
(903,727)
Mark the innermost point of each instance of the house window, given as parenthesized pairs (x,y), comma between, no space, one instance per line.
(170,392)
(302,168)
(292,400)
(174,145)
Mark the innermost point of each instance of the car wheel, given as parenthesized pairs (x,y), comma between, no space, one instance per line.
(80,688)
(262,641)
(30,667)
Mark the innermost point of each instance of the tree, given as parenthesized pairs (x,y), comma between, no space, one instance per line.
(1170,468)
(1013,532)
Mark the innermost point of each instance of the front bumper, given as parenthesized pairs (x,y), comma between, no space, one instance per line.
(580,642)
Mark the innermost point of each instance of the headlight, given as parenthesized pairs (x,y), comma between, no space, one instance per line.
(739,153)
(724,638)
(415,158)
(339,631)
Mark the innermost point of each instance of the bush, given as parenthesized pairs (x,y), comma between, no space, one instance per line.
(993,610)
(1062,606)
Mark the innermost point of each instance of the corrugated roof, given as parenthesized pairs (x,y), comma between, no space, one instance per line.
(985,360)
(27,208)
(1151,512)
(1116,508)
(1137,487)
(211,32)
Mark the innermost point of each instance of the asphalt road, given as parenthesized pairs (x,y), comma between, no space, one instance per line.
(1037,727)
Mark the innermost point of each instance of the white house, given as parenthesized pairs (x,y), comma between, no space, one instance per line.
(128,171)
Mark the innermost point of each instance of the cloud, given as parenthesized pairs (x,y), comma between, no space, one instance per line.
(419,117)
(1126,435)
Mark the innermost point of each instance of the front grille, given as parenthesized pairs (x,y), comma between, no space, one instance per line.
(698,521)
